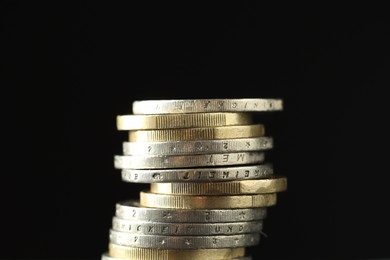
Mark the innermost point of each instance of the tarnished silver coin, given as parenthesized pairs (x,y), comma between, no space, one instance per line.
(208,174)
(183,242)
(206,105)
(188,229)
(132,210)
(198,146)
(186,161)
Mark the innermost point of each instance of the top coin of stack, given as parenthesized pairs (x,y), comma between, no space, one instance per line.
(210,183)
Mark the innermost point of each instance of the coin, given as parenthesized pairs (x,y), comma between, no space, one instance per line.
(209,174)
(106,256)
(131,210)
(139,253)
(197,133)
(148,199)
(206,105)
(268,185)
(183,242)
(198,146)
(186,161)
(187,228)
(133,122)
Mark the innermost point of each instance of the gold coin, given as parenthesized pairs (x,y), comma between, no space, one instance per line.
(137,253)
(155,200)
(259,186)
(197,133)
(168,121)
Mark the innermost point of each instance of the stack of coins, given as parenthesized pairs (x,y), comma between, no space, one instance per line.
(210,184)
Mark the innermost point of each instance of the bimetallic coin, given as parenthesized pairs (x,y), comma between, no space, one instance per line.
(269,185)
(106,256)
(197,133)
(139,253)
(154,200)
(134,122)
(132,210)
(186,161)
(198,146)
(211,174)
(206,105)
(189,229)
(183,242)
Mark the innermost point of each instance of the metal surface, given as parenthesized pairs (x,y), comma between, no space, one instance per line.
(148,199)
(132,210)
(132,122)
(186,161)
(198,146)
(208,174)
(137,253)
(197,133)
(206,105)
(184,242)
(269,185)
(187,228)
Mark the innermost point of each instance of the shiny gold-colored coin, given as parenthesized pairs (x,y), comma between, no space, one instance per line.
(154,200)
(259,186)
(168,121)
(136,253)
(197,133)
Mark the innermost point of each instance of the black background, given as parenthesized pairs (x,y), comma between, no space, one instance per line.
(69,69)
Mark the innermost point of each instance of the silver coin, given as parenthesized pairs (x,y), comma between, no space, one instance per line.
(213,174)
(198,147)
(190,229)
(186,161)
(131,210)
(206,105)
(106,256)
(183,242)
